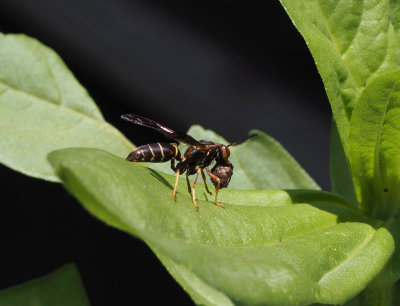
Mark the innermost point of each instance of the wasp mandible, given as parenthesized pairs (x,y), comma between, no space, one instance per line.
(198,156)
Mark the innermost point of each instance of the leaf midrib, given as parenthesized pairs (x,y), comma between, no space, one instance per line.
(342,54)
(377,167)
(351,255)
(222,246)
(38,98)
(334,43)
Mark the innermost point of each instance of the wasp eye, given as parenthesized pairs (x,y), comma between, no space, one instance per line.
(225,151)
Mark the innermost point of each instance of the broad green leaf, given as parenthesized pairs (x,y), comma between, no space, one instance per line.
(260,249)
(31,68)
(62,288)
(352,42)
(341,179)
(44,108)
(374,147)
(259,163)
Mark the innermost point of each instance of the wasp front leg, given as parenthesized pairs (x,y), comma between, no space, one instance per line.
(217,187)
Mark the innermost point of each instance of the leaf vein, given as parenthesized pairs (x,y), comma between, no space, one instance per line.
(351,255)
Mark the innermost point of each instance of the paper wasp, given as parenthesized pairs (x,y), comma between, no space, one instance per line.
(198,156)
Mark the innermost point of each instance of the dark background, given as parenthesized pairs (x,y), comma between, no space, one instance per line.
(230,66)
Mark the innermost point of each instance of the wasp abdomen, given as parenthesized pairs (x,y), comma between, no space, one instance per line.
(154,153)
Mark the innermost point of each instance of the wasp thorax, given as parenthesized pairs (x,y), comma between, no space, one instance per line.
(224,173)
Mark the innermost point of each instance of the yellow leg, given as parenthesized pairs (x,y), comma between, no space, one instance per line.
(176,184)
(198,170)
(216,188)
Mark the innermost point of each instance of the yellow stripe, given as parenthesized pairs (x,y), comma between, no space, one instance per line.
(152,153)
(176,148)
(151,150)
(162,152)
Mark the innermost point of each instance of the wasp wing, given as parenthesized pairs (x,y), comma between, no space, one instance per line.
(169,133)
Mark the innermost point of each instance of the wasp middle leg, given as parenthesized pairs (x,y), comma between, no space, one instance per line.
(205,183)
(176,184)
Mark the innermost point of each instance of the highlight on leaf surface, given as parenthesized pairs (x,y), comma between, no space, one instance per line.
(265,247)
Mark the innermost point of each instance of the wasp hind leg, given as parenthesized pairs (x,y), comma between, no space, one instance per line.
(188,183)
(198,170)
(176,184)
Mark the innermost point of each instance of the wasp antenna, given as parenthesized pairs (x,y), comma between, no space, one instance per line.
(129,117)
(238,142)
(135,119)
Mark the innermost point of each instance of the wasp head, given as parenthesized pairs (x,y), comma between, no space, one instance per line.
(224,172)
(223,168)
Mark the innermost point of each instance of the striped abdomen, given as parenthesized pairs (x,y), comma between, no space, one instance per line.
(155,153)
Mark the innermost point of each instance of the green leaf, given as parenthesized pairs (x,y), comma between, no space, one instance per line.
(374,147)
(352,42)
(259,163)
(44,108)
(62,287)
(260,249)
(342,182)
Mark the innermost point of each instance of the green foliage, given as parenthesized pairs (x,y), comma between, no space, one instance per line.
(352,42)
(279,240)
(62,288)
(43,108)
(261,248)
(374,146)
